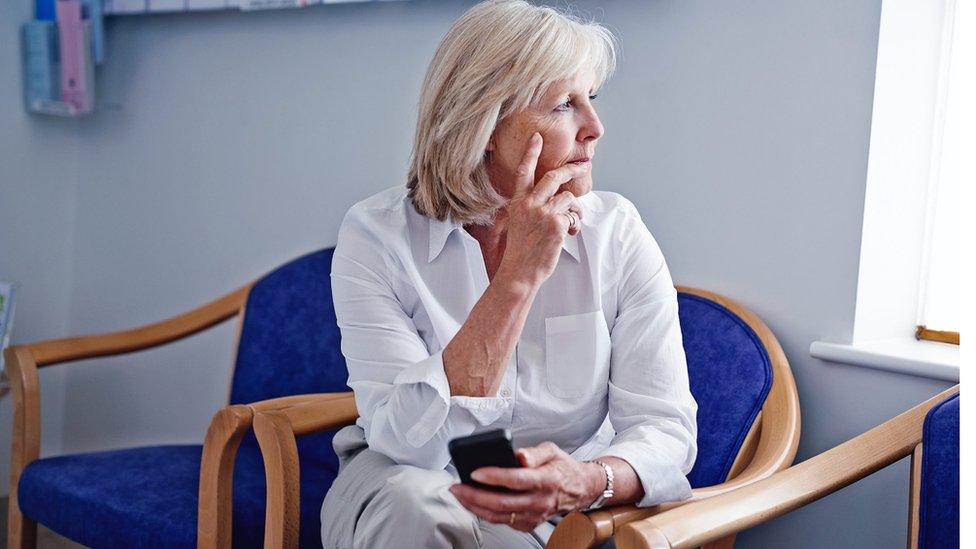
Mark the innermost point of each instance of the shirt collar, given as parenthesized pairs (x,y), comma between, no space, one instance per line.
(440,231)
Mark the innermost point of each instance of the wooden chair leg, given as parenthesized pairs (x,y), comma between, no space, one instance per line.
(280,452)
(25,445)
(215,511)
(21,531)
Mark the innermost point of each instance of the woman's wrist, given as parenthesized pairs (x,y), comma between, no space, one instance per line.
(518,275)
(596,483)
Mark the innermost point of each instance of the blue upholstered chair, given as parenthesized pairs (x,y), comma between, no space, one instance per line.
(150,496)
(748,424)
(289,346)
(934,497)
(928,432)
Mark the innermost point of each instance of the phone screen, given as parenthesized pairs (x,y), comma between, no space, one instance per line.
(491,448)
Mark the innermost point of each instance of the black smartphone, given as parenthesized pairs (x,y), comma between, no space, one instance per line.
(491,448)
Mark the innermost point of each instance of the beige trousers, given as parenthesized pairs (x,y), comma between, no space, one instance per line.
(375,503)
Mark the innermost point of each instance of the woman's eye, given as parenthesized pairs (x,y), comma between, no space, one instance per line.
(564,106)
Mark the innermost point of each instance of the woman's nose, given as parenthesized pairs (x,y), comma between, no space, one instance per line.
(592,127)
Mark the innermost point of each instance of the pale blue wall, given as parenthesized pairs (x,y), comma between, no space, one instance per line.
(226,143)
(38,179)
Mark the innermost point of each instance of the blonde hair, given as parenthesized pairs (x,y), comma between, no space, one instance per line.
(497,59)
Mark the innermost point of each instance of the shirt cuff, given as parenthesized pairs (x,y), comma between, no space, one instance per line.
(430,372)
(661,478)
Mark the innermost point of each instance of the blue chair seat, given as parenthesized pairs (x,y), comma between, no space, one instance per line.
(147,497)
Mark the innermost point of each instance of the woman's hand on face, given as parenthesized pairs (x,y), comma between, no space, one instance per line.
(550,482)
(538,217)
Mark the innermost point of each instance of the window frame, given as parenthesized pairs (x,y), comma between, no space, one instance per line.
(911,44)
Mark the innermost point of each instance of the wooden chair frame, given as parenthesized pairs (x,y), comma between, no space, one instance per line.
(726,514)
(770,446)
(224,435)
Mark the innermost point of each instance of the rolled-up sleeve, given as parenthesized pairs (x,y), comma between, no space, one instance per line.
(651,406)
(402,392)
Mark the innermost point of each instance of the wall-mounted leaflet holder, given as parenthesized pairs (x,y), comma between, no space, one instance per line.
(61,47)
(7,290)
(65,41)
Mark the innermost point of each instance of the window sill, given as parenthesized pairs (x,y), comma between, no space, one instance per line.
(906,356)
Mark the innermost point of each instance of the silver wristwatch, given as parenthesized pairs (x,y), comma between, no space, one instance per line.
(608,491)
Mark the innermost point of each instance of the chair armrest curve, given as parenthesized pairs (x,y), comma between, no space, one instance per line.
(703,521)
(309,414)
(276,427)
(54,351)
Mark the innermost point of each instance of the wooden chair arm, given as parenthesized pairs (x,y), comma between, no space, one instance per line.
(590,529)
(288,402)
(55,351)
(319,413)
(276,429)
(227,429)
(700,522)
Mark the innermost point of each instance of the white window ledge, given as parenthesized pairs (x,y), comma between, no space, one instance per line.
(906,356)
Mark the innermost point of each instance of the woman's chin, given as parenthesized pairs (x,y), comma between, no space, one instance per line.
(578,186)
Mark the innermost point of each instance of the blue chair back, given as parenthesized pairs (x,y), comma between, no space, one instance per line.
(289,341)
(730,374)
(938,506)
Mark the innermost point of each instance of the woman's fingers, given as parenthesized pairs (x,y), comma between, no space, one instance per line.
(566,201)
(516,478)
(549,184)
(536,456)
(520,511)
(523,522)
(486,514)
(525,174)
(573,224)
(500,502)
(569,209)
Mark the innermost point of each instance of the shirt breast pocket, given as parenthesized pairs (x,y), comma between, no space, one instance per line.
(577,354)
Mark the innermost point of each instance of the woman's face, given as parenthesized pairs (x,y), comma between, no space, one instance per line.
(570,129)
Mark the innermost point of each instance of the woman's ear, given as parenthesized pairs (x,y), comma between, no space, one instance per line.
(491,144)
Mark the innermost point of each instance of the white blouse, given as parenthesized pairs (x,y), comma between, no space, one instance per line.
(599,368)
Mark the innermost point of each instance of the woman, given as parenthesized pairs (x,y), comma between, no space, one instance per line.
(498,290)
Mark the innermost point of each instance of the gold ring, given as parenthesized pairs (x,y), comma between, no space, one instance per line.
(511,519)
(572,219)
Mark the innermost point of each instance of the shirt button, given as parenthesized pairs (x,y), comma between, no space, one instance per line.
(506,393)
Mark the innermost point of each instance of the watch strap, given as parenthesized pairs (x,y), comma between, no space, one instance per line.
(607,491)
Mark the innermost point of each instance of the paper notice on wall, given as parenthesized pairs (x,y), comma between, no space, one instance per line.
(167,5)
(119,7)
(199,5)
(122,7)
(125,6)
(274,4)
(6,315)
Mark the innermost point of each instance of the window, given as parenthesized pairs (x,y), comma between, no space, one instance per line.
(910,242)
(940,280)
